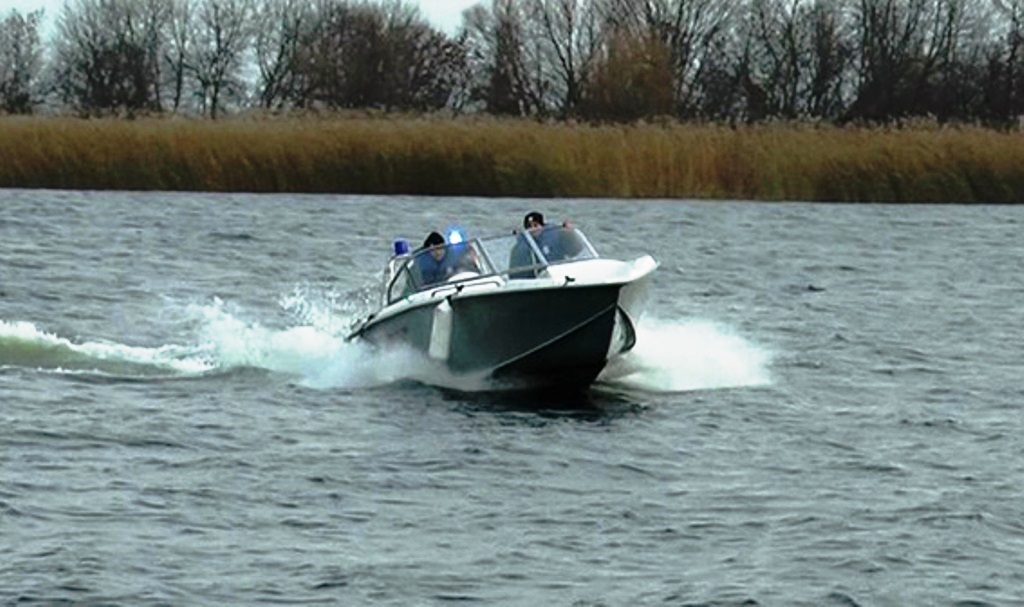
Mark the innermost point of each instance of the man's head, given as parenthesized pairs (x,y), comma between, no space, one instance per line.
(435,242)
(433,239)
(533,221)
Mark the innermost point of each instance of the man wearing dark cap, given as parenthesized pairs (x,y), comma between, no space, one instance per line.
(433,239)
(432,261)
(522,255)
(546,237)
(555,242)
(533,221)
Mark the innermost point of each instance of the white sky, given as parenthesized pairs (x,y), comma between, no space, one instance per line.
(445,15)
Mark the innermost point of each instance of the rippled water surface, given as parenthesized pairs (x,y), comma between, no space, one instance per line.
(824,408)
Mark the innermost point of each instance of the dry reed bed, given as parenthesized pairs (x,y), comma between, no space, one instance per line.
(515,158)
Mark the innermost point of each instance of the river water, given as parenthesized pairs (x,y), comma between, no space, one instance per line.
(824,408)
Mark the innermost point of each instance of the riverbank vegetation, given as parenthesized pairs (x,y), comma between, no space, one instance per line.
(489,157)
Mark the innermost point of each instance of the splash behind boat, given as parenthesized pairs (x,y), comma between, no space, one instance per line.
(526,310)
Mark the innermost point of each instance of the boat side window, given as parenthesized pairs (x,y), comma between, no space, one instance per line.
(495,252)
(466,258)
(402,284)
(430,267)
(560,243)
(554,244)
(525,258)
(436,265)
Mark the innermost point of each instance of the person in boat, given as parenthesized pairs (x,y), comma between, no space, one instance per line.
(522,255)
(433,262)
(555,242)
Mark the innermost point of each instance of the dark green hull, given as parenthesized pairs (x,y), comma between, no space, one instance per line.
(526,338)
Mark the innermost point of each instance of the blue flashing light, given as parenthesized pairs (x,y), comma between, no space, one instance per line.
(454,236)
(401,246)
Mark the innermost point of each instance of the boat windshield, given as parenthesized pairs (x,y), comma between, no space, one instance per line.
(429,267)
(525,254)
(517,255)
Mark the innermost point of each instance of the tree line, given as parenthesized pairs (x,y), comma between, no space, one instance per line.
(836,61)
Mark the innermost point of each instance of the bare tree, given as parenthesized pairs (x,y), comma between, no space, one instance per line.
(107,55)
(948,85)
(333,59)
(891,49)
(875,60)
(505,79)
(1003,57)
(365,55)
(569,37)
(178,48)
(689,29)
(428,67)
(780,55)
(723,76)
(632,79)
(828,60)
(797,58)
(319,57)
(20,61)
(282,29)
(222,34)
(154,15)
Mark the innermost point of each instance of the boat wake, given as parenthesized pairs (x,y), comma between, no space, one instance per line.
(22,344)
(670,356)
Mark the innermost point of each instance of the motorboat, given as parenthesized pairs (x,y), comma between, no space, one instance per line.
(526,309)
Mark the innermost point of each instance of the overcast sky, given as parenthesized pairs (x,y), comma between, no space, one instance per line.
(444,14)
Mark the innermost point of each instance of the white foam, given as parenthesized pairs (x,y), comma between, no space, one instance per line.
(316,353)
(27,345)
(670,356)
(677,356)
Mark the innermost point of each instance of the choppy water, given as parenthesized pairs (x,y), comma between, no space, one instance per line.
(824,409)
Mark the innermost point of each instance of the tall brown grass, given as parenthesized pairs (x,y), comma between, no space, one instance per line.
(515,158)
